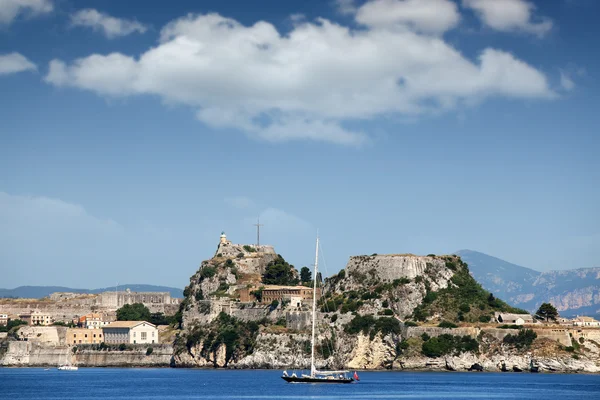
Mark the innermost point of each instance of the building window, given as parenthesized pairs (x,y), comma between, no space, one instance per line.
(133,334)
(144,335)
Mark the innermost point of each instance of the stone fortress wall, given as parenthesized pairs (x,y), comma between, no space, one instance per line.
(66,306)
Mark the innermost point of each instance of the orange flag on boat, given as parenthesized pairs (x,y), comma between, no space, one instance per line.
(356,378)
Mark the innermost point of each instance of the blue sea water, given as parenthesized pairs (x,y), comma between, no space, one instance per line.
(115,383)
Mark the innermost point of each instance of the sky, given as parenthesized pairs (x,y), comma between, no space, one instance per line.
(133,133)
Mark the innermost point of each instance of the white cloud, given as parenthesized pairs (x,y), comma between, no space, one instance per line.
(430,16)
(312,83)
(14,62)
(509,15)
(241,202)
(566,82)
(345,6)
(111,27)
(11,9)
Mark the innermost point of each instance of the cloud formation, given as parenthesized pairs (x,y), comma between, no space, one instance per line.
(111,27)
(15,62)
(509,15)
(11,9)
(315,81)
(430,16)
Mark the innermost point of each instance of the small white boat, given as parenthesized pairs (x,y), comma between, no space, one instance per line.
(68,368)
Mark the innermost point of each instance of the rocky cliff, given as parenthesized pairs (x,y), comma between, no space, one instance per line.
(572,292)
(380,312)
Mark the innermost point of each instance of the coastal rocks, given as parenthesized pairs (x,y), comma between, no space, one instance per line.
(279,351)
(372,354)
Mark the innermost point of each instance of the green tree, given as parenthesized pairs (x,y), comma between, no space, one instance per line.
(279,272)
(133,312)
(546,312)
(305,274)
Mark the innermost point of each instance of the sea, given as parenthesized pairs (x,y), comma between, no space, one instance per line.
(116,383)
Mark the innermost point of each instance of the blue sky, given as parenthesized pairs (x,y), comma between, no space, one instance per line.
(132,133)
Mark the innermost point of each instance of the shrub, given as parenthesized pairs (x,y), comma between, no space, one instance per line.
(249,249)
(425,336)
(410,323)
(400,281)
(447,324)
(334,317)
(122,347)
(240,255)
(464,308)
(208,272)
(342,274)
(449,344)
(430,297)
(199,296)
(485,318)
(570,349)
(387,311)
(581,340)
(509,326)
(149,351)
(360,324)
(523,339)
(274,304)
(385,304)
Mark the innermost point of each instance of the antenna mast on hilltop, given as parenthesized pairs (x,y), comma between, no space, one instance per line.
(258,225)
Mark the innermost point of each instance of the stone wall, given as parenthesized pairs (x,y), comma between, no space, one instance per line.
(35,354)
(298,320)
(560,335)
(434,331)
(53,335)
(160,357)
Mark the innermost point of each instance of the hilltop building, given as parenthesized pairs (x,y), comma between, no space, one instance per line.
(3,319)
(133,332)
(296,295)
(586,322)
(513,319)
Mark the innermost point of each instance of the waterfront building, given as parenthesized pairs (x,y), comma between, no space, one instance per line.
(133,332)
(84,336)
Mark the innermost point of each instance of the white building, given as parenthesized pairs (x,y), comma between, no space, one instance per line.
(133,332)
(513,319)
(586,321)
(3,319)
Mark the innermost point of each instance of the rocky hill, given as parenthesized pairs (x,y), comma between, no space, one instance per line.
(381,311)
(573,292)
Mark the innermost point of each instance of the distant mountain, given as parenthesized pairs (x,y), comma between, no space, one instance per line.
(37,292)
(573,292)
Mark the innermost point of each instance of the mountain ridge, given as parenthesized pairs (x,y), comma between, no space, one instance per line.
(37,292)
(572,291)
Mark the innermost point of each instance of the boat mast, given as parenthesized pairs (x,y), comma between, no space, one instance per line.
(314,313)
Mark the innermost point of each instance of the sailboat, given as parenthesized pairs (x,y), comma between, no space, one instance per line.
(317,376)
(67,366)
